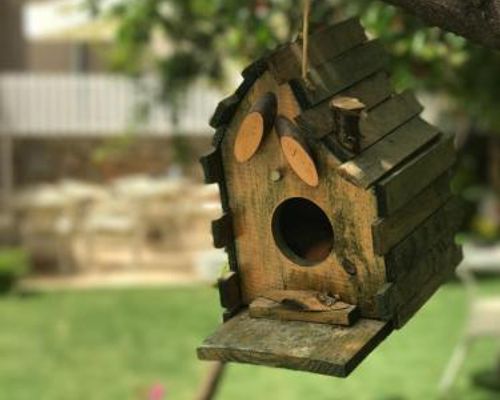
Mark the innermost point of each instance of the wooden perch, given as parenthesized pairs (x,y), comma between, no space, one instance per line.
(476,20)
(255,126)
(303,305)
(296,151)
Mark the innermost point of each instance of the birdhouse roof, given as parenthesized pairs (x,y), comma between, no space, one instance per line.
(343,64)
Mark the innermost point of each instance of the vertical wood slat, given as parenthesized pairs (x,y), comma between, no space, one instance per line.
(230,293)
(212,167)
(222,231)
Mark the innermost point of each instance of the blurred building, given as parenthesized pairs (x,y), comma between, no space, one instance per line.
(59,105)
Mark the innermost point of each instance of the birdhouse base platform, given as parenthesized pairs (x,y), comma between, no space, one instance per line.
(306,346)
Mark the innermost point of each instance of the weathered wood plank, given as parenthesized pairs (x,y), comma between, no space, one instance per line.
(219,135)
(331,78)
(222,231)
(409,309)
(397,189)
(319,121)
(332,143)
(303,300)
(325,44)
(385,308)
(225,111)
(305,346)
(375,162)
(439,227)
(250,75)
(389,231)
(388,116)
(227,108)
(347,113)
(432,268)
(229,292)
(338,314)
(212,167)
(254,71)
(377,123)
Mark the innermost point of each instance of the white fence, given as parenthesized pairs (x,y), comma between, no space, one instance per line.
(92,105)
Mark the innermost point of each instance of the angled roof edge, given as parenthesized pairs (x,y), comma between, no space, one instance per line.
(332,41)
(389,153)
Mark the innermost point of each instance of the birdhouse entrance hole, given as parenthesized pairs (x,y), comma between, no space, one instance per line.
(302,231)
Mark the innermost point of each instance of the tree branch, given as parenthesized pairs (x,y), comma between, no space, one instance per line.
(476,20)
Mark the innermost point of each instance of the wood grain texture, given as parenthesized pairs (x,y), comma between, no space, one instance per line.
(351,270)
(348,104)
(212,167)
(255,126)
(229,291)
(402,185)
(297,151)
(227,107)
(387,116)
(374,163)
(222,231)
(327,43)
(339,314)
(331,78)
(438,228)
(373,124)
(254,71)
(389,231)
(432,269)
(319,122)
(249,137)
(288,105)
(317,348)
(429,288)
(302,300)
(225,111)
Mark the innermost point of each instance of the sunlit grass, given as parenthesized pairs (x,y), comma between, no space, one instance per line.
(117,344)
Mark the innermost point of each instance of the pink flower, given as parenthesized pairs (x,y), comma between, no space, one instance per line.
(157,392)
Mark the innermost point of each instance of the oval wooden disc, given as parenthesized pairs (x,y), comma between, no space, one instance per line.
(249,137)
(300,160)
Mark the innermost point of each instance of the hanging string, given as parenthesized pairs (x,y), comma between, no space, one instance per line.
(305,43)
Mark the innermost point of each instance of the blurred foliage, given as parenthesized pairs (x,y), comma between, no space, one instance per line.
(182,40)
(14,264)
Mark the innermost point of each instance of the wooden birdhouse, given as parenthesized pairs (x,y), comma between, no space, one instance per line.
(338,218)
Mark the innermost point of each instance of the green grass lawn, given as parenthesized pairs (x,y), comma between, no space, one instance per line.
(115,344)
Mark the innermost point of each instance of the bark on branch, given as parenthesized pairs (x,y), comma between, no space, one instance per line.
(476,20)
